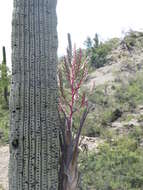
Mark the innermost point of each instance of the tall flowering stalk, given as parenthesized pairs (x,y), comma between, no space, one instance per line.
(72,103)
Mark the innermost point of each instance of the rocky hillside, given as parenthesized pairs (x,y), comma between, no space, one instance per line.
(116,118)
(116,90)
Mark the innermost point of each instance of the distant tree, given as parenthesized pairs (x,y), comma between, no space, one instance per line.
(96,41)
(88,43)
(98,51)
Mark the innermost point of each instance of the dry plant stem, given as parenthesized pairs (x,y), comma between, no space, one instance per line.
(69,148)
(75,72)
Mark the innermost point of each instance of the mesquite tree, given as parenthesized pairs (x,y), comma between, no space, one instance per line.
(73,104)
(34,128)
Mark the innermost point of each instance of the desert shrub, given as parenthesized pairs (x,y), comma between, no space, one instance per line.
(99,54)
(128,118)
(98,96)
(107,110)
(130,40)
(4,126)
(130,94)
(140,118)
(99,50)
(136,133)
(91,127)
(133,38)
(106,117)
(115,166)
(98,58)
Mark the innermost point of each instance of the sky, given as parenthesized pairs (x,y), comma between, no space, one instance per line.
(82,18)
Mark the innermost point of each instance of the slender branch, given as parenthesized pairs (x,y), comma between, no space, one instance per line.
(83,118)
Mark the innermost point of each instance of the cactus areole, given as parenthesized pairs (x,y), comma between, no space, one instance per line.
(34,128)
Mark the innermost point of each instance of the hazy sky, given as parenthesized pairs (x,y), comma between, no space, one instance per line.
(82,18)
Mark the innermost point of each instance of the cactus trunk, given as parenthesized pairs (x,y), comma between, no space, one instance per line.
(34,126)
(4,76)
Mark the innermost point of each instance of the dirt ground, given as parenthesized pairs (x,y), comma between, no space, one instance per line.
(4,158)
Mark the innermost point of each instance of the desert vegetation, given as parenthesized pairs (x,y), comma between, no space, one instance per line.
(113,87)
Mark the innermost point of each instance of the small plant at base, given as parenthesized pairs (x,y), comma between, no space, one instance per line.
(72,102)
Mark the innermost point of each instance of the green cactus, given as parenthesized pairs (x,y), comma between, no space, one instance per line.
(34,126)
(4,77)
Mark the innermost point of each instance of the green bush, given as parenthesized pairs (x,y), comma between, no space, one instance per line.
(136,133)
(133,38)
(91,127)
(117,166)
(4,126)
(98,58)
(106,110)
(131,95)
(98,96)
(99,53)
(106,117)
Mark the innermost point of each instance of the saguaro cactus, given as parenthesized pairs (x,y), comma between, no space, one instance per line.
(4,76)
(34,145)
